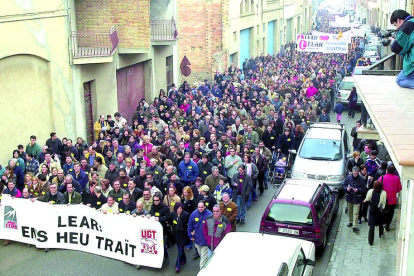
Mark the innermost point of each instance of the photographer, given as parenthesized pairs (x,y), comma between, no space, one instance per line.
(404,45)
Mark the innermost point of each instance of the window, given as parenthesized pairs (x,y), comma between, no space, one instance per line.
(169,71)
(234,36)
(258,30)
(264,27)
(320,208)
(321,149)
(290,213)
(300,264)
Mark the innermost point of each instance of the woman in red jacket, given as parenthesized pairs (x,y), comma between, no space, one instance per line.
(392,185)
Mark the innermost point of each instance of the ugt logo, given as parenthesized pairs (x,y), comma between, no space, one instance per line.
(10,218)
(149,241)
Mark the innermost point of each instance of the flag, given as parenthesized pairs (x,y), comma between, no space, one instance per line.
(340,35)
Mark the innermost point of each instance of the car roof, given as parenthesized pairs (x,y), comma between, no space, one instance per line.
(370,53)
(348,79)
(325,133)
(298,190)
(252,248)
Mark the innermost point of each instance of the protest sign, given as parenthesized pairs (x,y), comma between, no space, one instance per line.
(320,44)
(137,241)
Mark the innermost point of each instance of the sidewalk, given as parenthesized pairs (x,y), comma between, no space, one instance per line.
(352,255)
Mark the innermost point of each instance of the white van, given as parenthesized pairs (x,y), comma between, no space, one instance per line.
(323,154)
(272,255)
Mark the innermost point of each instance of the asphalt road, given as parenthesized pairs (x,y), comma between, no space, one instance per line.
(18,259)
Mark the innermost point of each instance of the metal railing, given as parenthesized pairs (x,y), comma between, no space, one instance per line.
(94,43)
(163,30)
(390,65)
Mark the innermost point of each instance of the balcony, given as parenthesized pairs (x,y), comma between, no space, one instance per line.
(97,46)
(163,32)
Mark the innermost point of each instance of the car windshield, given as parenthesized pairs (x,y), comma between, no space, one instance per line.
(346,85)
(321,149)
(371,48)
(290,214)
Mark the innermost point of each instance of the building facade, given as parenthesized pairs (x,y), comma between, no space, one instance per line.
(214,34)
(65,63)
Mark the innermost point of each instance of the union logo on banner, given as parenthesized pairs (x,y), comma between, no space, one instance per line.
(10,218)
(149,241)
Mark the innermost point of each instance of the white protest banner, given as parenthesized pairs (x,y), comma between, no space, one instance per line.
(137,241)
(320,44)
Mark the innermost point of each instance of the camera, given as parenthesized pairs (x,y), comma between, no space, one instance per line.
(386,37)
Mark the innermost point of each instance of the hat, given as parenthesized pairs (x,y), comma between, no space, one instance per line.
(204,188)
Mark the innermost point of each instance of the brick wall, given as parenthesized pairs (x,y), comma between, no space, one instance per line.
(131,18)
(200,36)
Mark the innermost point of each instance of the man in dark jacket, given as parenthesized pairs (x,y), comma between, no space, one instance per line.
(53,196)
(242,187)
(126,205)
(354,187)
(270,138)
(286,142)
(204,167)
(112,173)
(355,141)
(71,196)
(162,214)
(261,164)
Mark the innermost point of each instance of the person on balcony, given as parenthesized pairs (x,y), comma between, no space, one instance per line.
(403,45)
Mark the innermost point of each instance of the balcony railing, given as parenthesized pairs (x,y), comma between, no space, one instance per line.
(390,65)
(163,30)
(94,43)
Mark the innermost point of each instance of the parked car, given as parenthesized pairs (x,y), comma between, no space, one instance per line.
(322,154)
(372,55)
(371,47)
(374,39)
(303,209)
(258,254)
(344,89)
(358,71)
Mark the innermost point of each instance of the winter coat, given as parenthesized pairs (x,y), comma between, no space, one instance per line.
(195,223)
(286,143)
(212,182)
(209,200)
(188,172)
(204,170)
(354,182)
(377,201)
(162,212)
(352,99)
(230,212)
(180,226)
(218,192)
(339,108)
(392,185)
(246,189)
(215,230)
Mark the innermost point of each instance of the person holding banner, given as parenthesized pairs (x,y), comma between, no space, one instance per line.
(179,220)
(162,214)
(111,206)
(71,196)
(53,196)
(11,189)
(126,205)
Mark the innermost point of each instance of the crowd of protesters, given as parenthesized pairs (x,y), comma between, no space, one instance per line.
(198,156)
